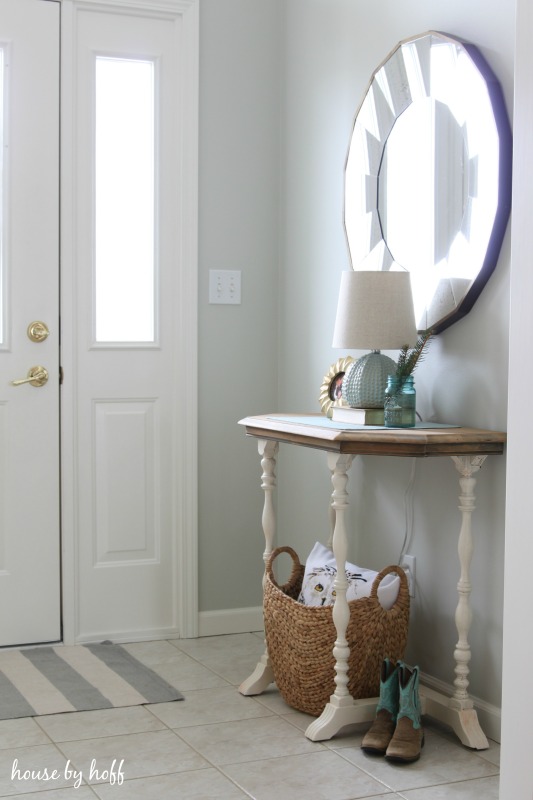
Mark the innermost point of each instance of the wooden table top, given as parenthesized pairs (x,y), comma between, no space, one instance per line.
(317,431)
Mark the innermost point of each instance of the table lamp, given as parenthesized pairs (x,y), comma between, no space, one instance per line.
(375,312)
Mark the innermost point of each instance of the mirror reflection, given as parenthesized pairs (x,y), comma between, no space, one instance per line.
(428,174)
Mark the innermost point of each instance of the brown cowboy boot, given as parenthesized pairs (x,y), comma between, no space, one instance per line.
(408,738)
(377,738)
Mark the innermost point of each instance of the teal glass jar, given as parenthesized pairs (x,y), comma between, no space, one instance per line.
(400,403)
(392,410)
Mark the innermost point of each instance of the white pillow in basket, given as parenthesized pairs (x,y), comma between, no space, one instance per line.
(321,571)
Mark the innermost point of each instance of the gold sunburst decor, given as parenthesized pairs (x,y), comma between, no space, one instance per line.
(331,389)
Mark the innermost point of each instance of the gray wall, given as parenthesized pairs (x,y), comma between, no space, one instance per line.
(239,157)
(280,82)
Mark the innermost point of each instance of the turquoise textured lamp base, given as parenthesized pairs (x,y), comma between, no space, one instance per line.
(365,381)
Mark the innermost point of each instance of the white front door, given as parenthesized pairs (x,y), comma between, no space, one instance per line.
(126,563)
(29,292)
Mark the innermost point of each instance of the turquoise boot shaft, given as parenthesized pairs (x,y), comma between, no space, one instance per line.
(389,688)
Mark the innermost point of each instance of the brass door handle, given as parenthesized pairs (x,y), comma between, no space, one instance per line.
(37,376)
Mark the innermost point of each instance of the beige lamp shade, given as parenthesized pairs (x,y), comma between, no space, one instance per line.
(375,311)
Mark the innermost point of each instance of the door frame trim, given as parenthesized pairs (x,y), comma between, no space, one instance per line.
(185,331)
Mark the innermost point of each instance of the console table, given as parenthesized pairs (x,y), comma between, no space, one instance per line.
(468,448)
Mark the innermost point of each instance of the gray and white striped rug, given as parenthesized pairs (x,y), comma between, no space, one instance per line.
(52,680)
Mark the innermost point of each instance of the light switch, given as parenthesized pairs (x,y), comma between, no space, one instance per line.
(225,286)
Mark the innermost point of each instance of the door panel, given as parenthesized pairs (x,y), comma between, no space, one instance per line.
(29,415)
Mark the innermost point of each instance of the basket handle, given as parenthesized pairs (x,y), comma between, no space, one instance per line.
(403,592)
(296,566)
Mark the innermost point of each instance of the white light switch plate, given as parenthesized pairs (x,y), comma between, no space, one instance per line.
(225,286)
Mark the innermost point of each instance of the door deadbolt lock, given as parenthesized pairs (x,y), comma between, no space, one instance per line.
(38,331)
(37,376)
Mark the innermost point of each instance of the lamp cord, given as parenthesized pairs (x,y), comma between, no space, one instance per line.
(408,511)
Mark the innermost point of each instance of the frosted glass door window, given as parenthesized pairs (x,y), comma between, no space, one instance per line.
(125,266)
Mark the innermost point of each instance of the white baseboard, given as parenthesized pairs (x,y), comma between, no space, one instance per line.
(489,716)
(123,637)
(230,620)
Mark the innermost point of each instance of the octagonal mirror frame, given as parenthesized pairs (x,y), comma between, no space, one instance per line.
(470,150)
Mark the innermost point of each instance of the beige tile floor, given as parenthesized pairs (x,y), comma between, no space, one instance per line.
(218,744)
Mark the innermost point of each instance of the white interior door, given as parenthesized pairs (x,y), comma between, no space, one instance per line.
(29,292)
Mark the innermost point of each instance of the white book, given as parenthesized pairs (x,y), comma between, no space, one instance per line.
(358,416)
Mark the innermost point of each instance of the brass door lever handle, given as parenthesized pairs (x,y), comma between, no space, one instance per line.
(37,376)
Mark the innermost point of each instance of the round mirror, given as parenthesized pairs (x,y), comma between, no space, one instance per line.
(428,174)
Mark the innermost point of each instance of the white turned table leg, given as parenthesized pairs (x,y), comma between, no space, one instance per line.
(341,613)
(263,676)
(466,466)
(342,709)
(458,711)
(268,451)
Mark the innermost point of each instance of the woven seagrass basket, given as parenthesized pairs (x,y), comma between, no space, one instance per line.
(300,638)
